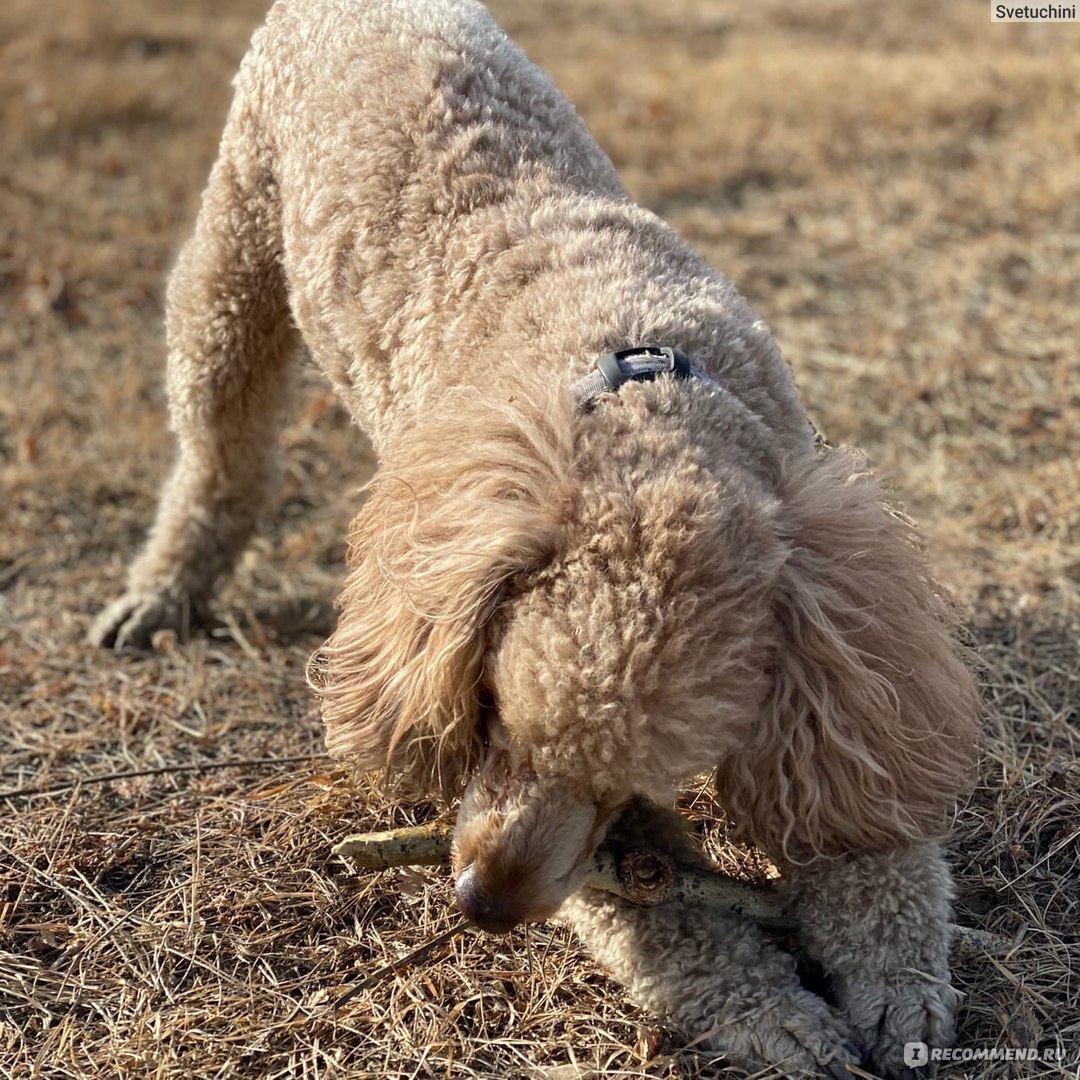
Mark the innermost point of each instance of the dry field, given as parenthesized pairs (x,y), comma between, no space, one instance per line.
(896,187)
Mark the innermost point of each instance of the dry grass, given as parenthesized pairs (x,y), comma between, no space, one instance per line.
(896,187)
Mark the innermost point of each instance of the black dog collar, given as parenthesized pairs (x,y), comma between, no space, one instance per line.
(639,364)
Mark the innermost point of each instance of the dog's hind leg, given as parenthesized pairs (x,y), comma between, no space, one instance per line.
(230,338)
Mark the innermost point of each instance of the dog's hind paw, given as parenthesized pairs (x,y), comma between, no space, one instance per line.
(132,621)
(887,1016)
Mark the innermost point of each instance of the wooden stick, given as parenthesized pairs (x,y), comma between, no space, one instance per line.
(643,876)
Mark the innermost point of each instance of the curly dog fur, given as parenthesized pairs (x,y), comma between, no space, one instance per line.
(569,611)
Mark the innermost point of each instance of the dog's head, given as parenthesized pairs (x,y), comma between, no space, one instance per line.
(567,614)
(523,613)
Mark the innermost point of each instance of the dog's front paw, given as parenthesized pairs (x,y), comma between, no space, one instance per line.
(801,1036)
(132,621)
(887,1015)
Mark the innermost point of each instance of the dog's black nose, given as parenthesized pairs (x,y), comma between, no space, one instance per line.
(479,907)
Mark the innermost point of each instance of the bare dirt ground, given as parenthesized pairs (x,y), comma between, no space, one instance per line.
(896,187)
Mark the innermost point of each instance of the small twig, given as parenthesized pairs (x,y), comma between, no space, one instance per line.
(971,939)
(202,766)
(410,958)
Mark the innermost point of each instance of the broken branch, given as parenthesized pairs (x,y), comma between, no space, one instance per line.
(643,876)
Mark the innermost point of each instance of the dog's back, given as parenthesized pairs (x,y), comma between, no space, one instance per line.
(413,148)
(437,197)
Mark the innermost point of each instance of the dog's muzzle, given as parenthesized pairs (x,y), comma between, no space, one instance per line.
(489,913)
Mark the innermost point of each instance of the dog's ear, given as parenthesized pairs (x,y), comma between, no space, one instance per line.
(868,731)
(466,501)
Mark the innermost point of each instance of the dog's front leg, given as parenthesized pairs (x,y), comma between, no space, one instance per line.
(718,979)
(880,925)
(230,340)
(716,976)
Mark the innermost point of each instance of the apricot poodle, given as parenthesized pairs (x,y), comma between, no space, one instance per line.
(578,578)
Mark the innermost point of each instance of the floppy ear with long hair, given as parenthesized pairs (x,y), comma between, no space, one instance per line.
(868,732)
(465,501)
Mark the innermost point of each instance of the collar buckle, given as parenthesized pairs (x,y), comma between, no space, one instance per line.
(640,363)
